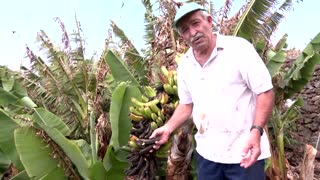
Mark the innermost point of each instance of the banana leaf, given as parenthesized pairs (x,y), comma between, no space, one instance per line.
(119,110)
(7,138)
(36,156)
(115,159)
(7,98)
(4,163)
(21,176)
(302,70)
(97,172)
(49,119)
(275,62)
(119,70)
(7,82)
(115,163)
(70,148)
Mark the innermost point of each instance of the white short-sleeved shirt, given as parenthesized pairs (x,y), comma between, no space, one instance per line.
(223,92)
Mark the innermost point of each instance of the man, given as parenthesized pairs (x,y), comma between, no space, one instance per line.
(226,87)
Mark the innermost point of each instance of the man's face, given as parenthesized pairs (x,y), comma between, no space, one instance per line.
(195,29)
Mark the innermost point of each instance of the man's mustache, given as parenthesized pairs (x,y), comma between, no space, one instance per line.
(196,36)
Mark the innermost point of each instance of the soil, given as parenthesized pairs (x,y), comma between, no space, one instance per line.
(294,153)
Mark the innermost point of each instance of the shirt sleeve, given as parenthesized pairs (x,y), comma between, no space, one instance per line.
(253,70)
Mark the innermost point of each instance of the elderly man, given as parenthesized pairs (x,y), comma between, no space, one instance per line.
(225,85)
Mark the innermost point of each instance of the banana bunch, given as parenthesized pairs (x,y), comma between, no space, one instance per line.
(169,80)
(141,166)
(147,113)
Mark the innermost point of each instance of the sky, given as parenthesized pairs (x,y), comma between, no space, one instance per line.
(21,20)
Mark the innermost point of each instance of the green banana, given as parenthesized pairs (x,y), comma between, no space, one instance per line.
(154,108)
(175,89)
(161,115)
(154,101)
(153,125)
(168,89)
(144,114)
(136,102)
(147,111)
(149,91)
(135,117)
(164,71)
(144,98)
(170,78)
(134,111)
(154,116)
(159,122)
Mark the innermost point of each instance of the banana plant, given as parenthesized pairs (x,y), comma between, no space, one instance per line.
(58,157)
(288,83)
(44,133)
(280,121)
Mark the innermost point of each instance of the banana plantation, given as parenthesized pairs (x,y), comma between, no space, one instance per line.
(71,117)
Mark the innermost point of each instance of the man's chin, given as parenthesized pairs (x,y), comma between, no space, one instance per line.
(199,46)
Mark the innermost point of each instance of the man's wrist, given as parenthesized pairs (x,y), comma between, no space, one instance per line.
(259,128)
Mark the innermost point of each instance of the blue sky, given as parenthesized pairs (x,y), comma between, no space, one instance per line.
(26,18)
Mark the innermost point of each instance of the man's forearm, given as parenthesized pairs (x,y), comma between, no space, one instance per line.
(180,115)
(264,107)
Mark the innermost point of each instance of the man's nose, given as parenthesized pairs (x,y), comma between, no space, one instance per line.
(193,32)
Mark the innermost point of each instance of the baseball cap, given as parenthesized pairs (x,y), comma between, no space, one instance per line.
(184,10)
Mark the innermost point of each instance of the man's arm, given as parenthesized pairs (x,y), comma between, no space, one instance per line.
(252,149)
(264,106)
(180,115)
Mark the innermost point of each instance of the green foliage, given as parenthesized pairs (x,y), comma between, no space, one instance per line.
(7,138)
(115,162)
(35,155)
(302,70)
(21,176)
(131,55)
(259,19)
(4,163)
(276,58)
(119,110)
(70,148)
(119,70)
(46,119)
(97,171)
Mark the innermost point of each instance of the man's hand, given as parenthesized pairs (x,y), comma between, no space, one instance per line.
(251,151)
(163,134)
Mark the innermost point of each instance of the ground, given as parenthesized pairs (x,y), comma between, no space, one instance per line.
(294,153)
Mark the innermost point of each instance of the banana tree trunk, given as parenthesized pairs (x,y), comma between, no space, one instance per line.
(178,165)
